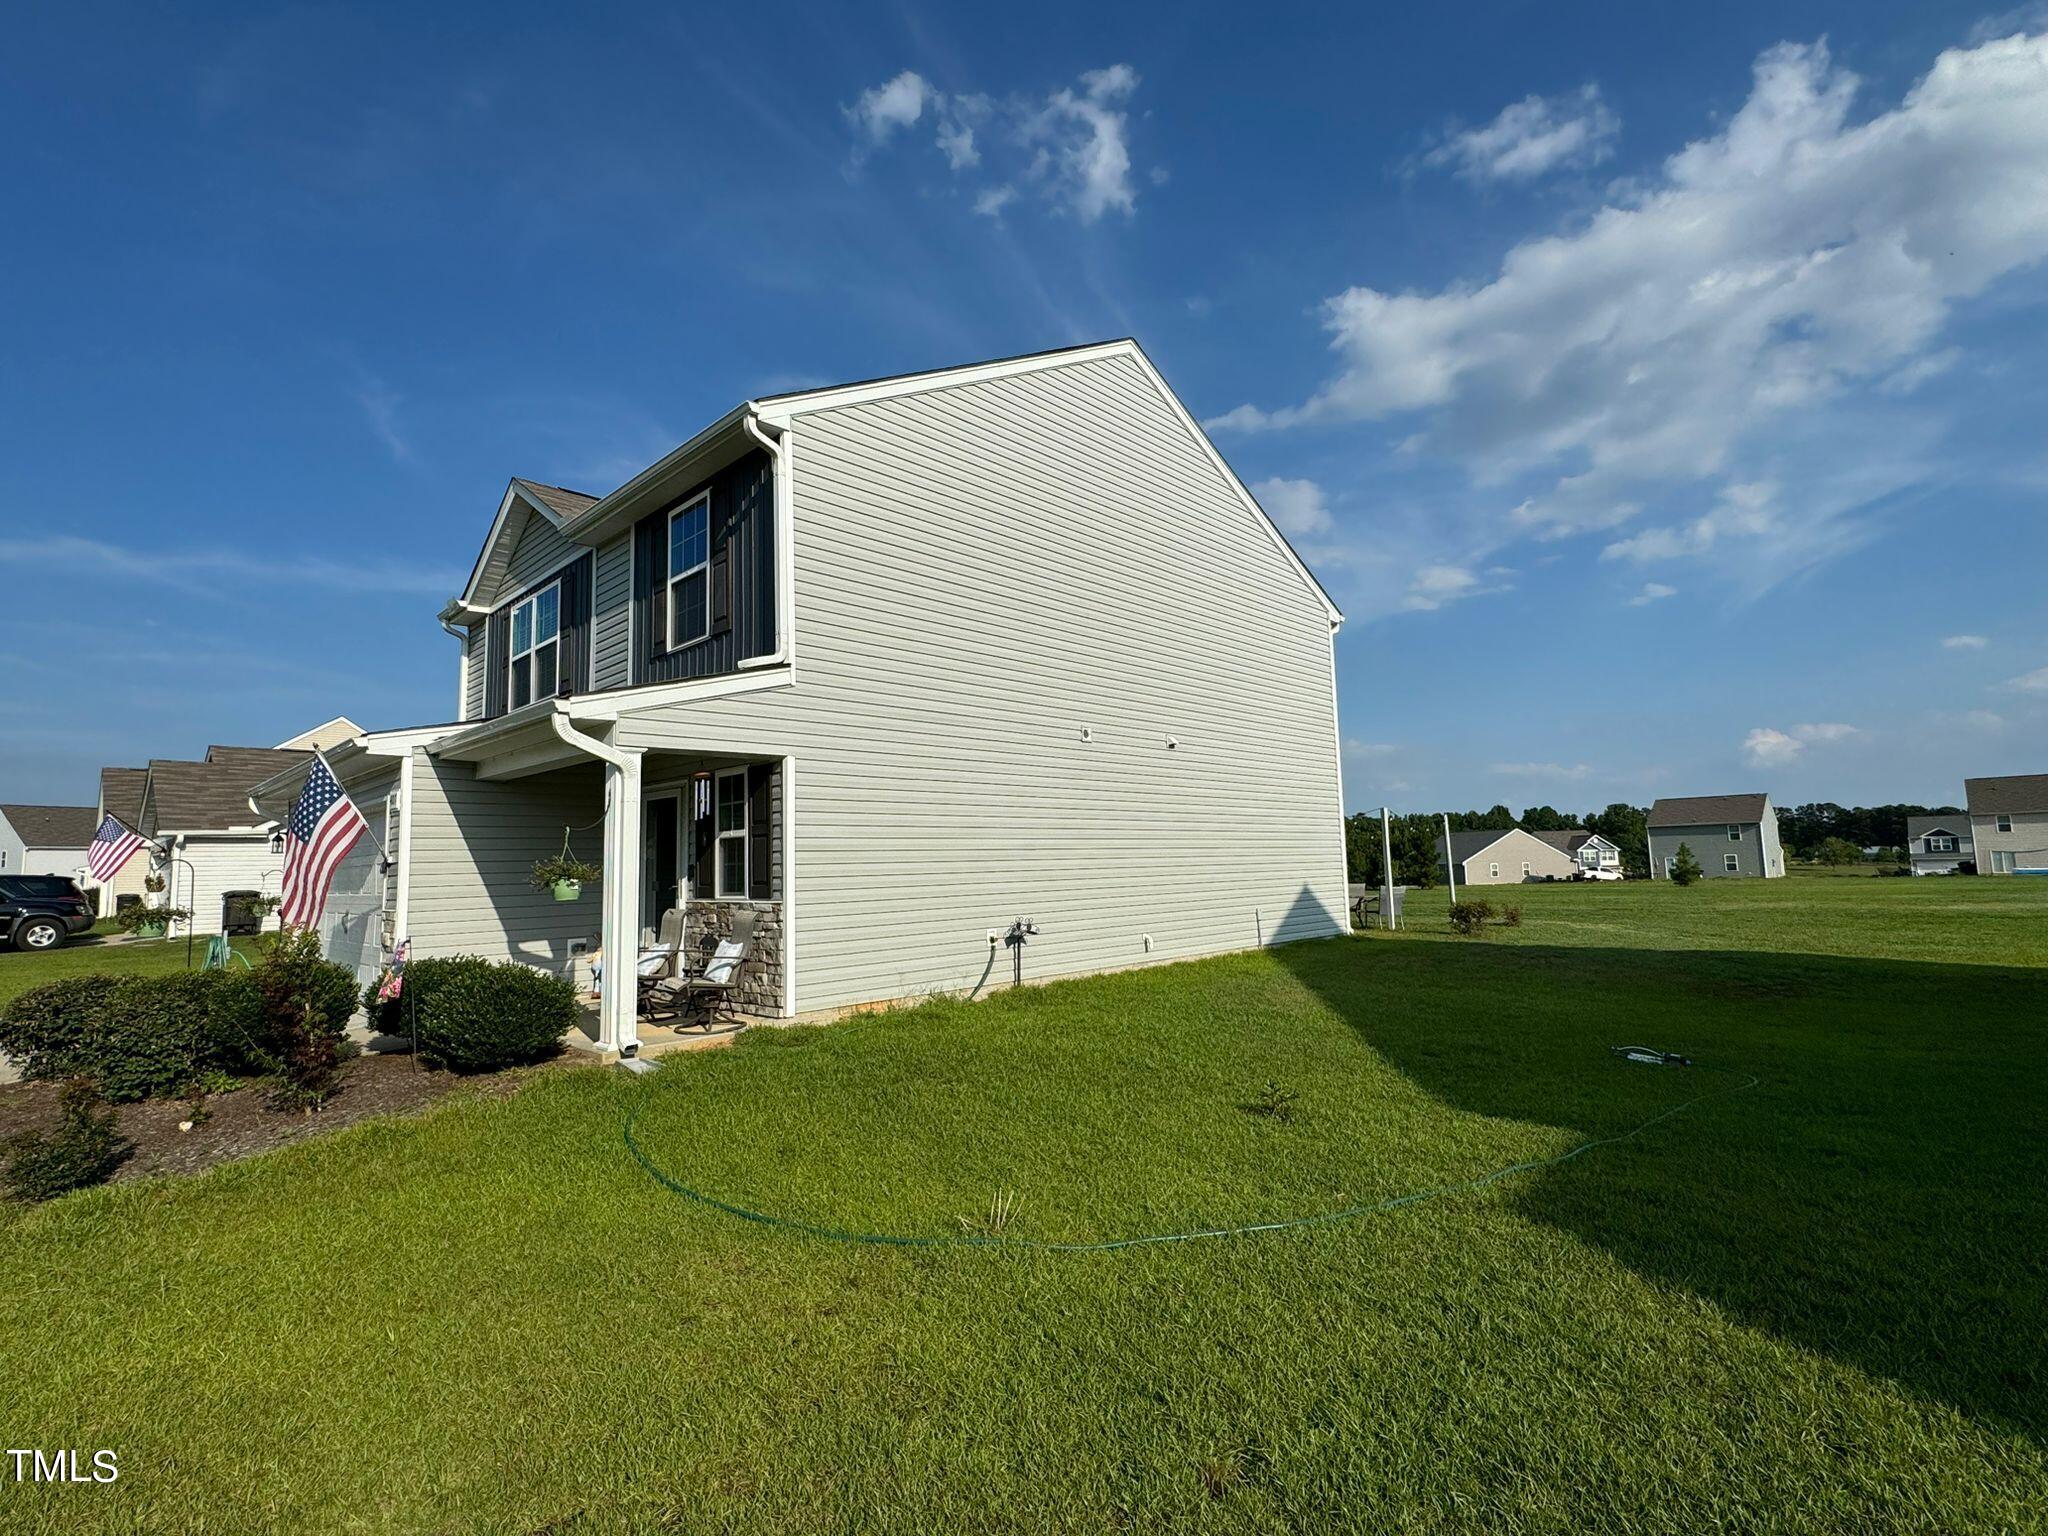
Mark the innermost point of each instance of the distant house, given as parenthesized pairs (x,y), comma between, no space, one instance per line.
(1591,852)
(1732,836)
(121,798)
(2009,823)
(1506,857)
(1937,844)
(213,851)
(330,734)
(45,839)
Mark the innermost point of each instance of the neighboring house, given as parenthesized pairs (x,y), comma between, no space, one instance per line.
(2009,823)
(1591,852)
(1731,835)
(1505,858)
(212,849)
(1937,844)
(331,734)
(121,798)
(46,840)
(891,665)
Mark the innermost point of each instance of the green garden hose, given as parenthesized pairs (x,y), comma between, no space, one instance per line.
(1325,1218)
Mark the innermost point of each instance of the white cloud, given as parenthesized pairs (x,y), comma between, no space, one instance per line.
(1768,747)
(1964,643)
(2030,682)
(1653,592)
(1535,135)
(380,408)
(1071,147)
(1370,749)
(1435,585)
(201,570)
(1984,719)
(1685,354)
(895,104)
(1296,505)
(1570,771)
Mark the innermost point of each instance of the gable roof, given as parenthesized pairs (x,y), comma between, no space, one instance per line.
(52,826)
(584,519)
(2015,792)
(1920,826)
(1709,810)
(214,795)
(1469,845)
(121,795)
(1569,839)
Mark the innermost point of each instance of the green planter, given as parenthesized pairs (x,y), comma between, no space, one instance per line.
(151,930)
(568,890)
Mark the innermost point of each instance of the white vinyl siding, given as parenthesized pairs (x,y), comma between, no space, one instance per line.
(611,625)
(982,573)
(475,675)
(214,864)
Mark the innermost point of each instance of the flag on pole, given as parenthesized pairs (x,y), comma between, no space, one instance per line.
(112,847)
(323,826)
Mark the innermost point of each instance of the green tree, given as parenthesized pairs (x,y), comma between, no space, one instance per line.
(1544,818)
(1838,850)
(1628,828)
(1685,868)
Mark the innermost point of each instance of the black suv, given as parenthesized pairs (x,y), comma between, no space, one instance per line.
(40,912)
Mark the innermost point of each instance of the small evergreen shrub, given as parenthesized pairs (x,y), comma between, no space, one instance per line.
(1469,916)
(1685,869)
(83,1150)
(471,1015)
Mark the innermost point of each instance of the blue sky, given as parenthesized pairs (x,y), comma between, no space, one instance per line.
(1657,388)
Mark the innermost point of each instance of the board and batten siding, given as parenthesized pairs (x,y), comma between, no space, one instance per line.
(611,630)
(1048,665)
(474,845)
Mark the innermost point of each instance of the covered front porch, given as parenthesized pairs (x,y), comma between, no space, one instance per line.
(695,832)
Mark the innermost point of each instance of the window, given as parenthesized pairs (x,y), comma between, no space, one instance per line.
(1525,869)
(2001,861)
(1731,863)
(1940,844)
(1493,871)
(731,829)
(689,574)
(1734,834)
(2005,823)
(536,646)
(3,858)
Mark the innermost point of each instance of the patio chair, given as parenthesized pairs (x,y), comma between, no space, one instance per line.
(709,994)
(660,965)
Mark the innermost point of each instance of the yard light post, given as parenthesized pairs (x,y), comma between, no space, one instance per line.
(1450,864)
(1387,866)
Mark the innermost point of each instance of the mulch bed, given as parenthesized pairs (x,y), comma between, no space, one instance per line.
(242,1123)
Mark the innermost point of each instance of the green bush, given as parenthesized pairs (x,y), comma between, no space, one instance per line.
(83,1150)
(1685,869)
(139,1036)
(303,1005)
(1469,916)
(471,1015)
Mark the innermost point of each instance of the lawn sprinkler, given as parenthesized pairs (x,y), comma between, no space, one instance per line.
(1650,1056)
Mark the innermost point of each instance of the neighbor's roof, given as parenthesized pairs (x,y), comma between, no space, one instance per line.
(1707,810)
(121,794)
(1467,845)
(2016,792)
(1569,840)
(214,795)
(52,826)
(1947,821)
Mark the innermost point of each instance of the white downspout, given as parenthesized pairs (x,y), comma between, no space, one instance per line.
(462,671)
(785,553)
(618,1013)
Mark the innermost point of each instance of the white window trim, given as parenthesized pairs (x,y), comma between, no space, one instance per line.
(718,836)
(2002,821)
(1525,868)
(1493,871)
(532,599)
(1731,863)
(1941,845)
(1734,833)
(669,642)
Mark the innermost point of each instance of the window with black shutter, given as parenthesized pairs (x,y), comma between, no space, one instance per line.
(689,573)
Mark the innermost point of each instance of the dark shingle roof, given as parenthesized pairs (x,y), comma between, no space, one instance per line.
(1566,841)
(121,794)
(1920,826)
(2015,792)
(52,826)
(1465,845)
(557,497)
(1708,810)
(213,795)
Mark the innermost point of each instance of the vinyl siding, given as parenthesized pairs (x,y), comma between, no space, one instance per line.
(1509,853)
(611,654)
(219,862)
(474,845)
(1759,853)
(2027,842)
(473,650)
(540,550)
(982,573)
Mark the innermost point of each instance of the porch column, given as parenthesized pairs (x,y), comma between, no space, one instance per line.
(618,1015)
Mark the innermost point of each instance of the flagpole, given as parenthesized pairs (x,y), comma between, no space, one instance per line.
(1450,864)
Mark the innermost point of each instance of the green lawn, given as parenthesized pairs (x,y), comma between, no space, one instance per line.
(20,970)
(1815,1305)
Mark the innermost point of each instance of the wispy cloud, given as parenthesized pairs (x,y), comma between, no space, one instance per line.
(201,569)
(2035,681)
(1653,592)
(1768,747)
(1964,643)
(380,409)
(1572,772)
(1531,138)
(1297,506)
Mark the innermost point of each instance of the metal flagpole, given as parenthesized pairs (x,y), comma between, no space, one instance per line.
(1387,863)
(1450,864)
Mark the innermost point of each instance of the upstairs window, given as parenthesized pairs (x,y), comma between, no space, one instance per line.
(1734,834)
(731,831)
(536,646)
(2005,823)
(689,575)
(1940,844)
(1493,871)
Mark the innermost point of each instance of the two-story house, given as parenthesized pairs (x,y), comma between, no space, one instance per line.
(889,665)
(2009,823)
(1732,836)
(1940,843)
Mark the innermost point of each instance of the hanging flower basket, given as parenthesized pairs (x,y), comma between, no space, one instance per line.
(565,875)
(568,890)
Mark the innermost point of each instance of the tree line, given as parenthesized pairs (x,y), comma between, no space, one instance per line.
(1806,831)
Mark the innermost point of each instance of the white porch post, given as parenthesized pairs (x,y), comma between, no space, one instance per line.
(618,1015)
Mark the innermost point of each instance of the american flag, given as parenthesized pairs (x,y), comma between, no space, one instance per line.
(324,825)
(112,846)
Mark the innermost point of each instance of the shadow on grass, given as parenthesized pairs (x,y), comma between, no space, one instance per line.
(1878,1199)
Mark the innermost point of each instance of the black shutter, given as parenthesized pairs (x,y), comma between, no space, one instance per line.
(760,814)
(651,565)
(573,674)
(703,881)
(721,569)
(497,647)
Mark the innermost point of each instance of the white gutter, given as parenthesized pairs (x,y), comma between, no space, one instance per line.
(785,554)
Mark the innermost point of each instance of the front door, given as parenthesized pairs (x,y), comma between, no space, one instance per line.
(660,859)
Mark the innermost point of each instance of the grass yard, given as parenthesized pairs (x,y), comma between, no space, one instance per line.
(94,955)
(1819,1304)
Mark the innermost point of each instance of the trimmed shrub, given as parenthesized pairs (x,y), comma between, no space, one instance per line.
(51,1030)
(1468,917)
(140,1037)
(475,1016)
(83,1150)
(303,1005)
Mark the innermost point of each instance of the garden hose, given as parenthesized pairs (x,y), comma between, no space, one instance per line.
(1107,1245)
